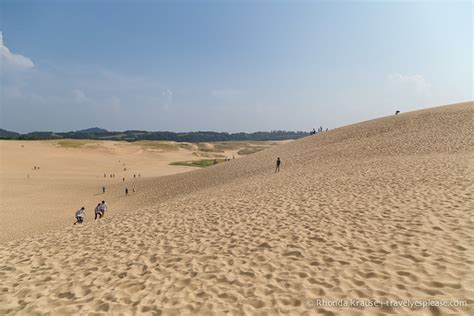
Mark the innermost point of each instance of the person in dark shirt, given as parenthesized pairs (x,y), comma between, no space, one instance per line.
(98,212)
(278,163)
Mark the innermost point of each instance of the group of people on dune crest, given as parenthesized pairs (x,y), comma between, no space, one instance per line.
(320,130)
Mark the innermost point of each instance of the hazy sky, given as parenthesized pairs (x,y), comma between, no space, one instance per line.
(228,65)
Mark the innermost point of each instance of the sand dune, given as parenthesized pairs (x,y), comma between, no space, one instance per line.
(71,175)
(379,209)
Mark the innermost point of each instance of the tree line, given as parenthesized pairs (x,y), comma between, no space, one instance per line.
(135,135)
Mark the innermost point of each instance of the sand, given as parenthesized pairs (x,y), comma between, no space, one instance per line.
(379,209)
(71,175)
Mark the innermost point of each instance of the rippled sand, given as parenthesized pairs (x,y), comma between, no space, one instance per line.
(379,209)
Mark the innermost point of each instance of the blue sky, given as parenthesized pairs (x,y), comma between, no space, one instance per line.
(228,65)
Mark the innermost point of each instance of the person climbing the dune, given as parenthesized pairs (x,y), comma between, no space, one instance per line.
(98,212)
(103,208)
(278,163)
(80,215)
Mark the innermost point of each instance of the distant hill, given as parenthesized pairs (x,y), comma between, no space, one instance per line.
(135,135)
(39,136)
(92,130)
(4,134)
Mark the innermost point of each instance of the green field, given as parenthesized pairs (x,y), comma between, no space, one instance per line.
(203,163)
(251,150)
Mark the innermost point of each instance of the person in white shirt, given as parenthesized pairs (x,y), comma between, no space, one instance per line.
(80,214)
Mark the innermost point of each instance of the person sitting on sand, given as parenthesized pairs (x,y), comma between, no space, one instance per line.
(278,163)
(98,212)
(397,112)
(103,208)
(80,214)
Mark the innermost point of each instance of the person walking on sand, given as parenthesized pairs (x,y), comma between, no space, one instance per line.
(278,163)
(103,208)
(80,214)
(103,190)
(98,212)
(126,191)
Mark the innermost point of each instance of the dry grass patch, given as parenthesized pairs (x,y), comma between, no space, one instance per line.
(76,143)
(158,145)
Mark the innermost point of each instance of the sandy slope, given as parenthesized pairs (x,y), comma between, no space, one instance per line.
(72,176)
(380,209)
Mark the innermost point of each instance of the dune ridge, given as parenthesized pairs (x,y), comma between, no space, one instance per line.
(379,209)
